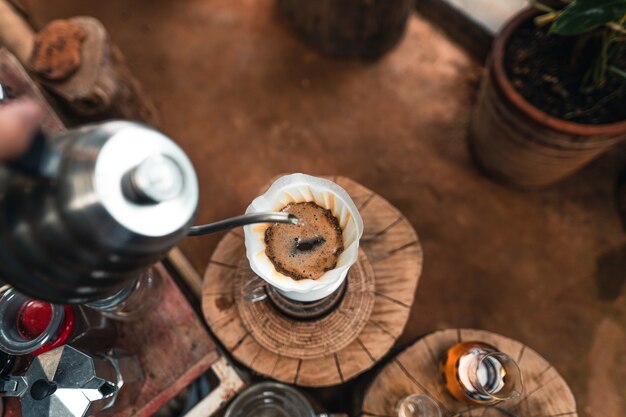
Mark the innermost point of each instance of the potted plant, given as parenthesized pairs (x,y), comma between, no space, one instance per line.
(554,93)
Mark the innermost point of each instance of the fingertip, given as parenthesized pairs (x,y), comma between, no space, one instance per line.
(28,111)
(19,120)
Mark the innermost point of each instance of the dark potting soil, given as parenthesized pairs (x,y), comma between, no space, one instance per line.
(541,68)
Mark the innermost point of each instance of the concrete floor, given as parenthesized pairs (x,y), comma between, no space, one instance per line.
(247,101)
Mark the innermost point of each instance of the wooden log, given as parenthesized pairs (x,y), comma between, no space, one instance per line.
(103,87)
(349,28)
(349,340)
(416,371)
(15,34)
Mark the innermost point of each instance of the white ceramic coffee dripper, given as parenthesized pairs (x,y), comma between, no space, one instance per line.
(297,188)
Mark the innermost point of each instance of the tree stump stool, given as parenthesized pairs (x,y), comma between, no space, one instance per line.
(416,370)
(340,345)
(348,28)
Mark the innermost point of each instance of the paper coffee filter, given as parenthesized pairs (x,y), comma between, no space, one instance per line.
(297,188)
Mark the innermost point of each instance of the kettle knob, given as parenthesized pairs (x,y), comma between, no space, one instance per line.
(155,180)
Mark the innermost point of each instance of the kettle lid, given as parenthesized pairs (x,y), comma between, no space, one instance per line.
(144,180)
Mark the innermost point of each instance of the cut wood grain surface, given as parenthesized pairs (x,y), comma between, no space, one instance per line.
(416,370)
(304,339)
(341,345)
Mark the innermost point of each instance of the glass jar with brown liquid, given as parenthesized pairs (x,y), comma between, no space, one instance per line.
(477,373)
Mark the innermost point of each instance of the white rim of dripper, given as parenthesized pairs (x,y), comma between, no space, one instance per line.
(266,201)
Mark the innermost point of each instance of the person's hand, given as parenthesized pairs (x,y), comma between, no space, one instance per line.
(19,120)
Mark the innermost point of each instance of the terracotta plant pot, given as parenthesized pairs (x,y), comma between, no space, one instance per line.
(516,142)
(348,28)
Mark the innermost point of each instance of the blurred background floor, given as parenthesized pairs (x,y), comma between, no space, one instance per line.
(247,101)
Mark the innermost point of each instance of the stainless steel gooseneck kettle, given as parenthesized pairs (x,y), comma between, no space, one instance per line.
(83,213)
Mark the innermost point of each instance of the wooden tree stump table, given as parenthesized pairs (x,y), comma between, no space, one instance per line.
(351,338)
(416,370)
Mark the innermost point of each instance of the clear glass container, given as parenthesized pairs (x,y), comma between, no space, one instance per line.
(133,301)
(93,332)
(31,326)
(418,405)
(270,400)
(477,373)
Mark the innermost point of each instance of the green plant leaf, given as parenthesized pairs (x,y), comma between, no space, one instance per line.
(617,71)
(540,6)
(584,15)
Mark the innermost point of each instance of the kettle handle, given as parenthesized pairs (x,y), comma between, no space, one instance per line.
(32,161)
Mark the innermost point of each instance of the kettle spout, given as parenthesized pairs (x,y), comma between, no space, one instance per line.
(246,219)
